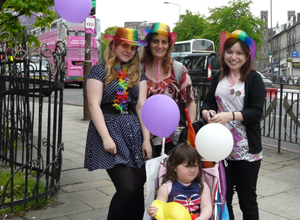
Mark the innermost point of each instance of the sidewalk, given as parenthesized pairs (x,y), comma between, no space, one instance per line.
(86,195)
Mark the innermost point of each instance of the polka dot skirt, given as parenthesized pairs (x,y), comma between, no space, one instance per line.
(125,131)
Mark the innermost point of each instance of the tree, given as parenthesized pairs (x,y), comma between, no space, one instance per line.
(191,26)
(236,16)
(111,31)
(12,10)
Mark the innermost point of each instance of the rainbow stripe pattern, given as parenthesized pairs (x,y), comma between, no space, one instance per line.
(122,94)
(158,28)
(241,35)
(128,35)
(161,28)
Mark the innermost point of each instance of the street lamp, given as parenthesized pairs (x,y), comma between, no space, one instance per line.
(174,4)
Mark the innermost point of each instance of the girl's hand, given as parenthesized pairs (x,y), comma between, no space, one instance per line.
(147,150)
(109,145)
(152,210)
(221,118)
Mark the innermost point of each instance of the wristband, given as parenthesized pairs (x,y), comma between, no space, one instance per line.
(233,116)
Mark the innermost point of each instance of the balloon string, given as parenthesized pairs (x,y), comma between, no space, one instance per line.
(158,72)
(163,146)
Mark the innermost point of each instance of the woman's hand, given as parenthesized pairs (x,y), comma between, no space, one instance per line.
(221,118)
(207,115)
(147,150)
(109,145)
(152,210)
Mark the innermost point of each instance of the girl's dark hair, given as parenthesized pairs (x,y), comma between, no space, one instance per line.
(183,153)
(246,68)
(148,58)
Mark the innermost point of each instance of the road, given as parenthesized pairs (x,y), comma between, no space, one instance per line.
(73,94)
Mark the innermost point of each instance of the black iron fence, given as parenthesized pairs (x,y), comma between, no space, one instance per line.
(281,117)
(31,107)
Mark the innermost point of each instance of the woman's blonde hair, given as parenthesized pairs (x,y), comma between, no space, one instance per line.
(147,56)
(111,60)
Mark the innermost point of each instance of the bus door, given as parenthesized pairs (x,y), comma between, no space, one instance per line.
(75,59)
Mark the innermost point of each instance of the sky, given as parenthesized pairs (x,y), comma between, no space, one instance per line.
(116,12)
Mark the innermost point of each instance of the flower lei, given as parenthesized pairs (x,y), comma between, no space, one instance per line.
(122,94)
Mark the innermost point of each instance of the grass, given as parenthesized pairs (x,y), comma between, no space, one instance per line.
(19,193)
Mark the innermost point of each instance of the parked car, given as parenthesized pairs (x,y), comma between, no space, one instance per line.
(268,83)
(201,66)
(35,72)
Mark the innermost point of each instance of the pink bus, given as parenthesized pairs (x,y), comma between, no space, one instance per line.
(74,37)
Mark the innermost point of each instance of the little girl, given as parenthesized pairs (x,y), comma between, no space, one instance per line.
(183,184)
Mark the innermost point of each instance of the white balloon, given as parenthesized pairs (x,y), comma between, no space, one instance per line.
(214,142)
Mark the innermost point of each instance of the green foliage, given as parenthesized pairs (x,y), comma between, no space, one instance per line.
(111,31)
(12,9)
(191,26)
(19,193)
(235,16)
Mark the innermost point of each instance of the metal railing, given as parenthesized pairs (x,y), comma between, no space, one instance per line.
(281,116)
(31,107)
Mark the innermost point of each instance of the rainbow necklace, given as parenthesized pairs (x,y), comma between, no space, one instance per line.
(122,94)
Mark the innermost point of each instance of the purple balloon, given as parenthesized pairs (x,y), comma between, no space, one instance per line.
(160,115)
(74,11)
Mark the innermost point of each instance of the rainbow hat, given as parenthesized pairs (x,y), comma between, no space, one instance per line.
(160,28)
(127,35)
(241,35)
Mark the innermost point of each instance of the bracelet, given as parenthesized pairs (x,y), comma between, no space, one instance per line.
(233,116)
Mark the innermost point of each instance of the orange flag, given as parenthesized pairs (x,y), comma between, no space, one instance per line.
(191,135)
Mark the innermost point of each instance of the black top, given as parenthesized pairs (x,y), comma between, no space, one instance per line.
(252,111)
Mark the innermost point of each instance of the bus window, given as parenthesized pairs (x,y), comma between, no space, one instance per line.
(80,33)
(71,33)
(186,47)
(202,45)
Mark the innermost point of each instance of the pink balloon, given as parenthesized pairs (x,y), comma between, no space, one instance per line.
(74,11)
(160,115)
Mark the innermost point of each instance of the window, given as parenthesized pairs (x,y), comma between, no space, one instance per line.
(71,33)
(54,26)
(80,33)
(186,47)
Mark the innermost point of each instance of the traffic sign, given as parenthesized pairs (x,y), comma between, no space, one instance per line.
(295,54)
(90,25)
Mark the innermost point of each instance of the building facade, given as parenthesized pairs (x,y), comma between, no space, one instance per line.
(264,52)
(285,46)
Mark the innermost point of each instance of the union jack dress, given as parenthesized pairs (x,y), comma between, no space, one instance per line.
(188,196)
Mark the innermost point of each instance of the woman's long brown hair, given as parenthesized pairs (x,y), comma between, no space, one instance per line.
(134,66)
(148,58)
(246,68)
(183,153)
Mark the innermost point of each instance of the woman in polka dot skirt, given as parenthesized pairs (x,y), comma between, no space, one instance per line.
(117,140)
